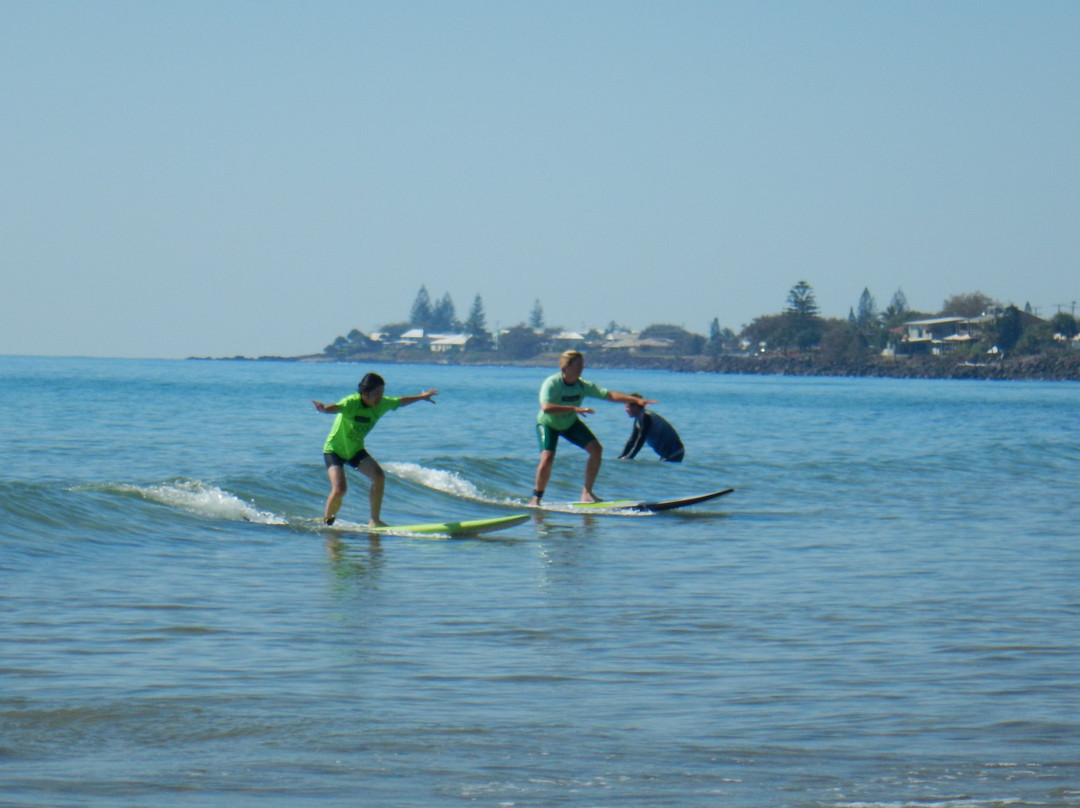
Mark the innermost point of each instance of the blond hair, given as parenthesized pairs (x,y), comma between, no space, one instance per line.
(569,356)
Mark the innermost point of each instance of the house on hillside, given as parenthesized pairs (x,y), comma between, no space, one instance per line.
(446,343)
(568,341)
(414,336)
(938,334)
(632,345)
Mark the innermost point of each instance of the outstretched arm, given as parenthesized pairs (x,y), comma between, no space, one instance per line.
(330,408)
(623,398)
(427,395)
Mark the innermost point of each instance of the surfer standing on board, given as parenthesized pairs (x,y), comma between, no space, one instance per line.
(560,405)
(356,416)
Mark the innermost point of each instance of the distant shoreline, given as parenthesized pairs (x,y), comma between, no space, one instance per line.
(1040,367)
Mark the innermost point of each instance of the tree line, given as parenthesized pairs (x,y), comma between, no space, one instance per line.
(799,327)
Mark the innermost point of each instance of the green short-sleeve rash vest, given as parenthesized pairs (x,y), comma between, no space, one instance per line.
(352,423)
(556,391)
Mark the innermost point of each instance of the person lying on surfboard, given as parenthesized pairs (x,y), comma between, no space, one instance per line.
(656,431)
(355,417)
(560,405)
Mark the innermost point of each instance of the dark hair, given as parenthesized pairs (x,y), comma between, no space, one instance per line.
(370,382)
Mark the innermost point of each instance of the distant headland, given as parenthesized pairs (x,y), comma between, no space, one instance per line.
(972,337)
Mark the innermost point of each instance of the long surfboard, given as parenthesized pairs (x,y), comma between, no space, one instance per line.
(614,506)
(469,527)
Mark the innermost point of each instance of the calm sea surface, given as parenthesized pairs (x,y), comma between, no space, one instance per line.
(886,612)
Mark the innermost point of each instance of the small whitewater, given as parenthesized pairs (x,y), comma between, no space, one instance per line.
(449,482)
(217,502)
(211,501)
(452,483)
(198,497)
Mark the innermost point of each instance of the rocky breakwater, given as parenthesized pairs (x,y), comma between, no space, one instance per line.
(1064,366)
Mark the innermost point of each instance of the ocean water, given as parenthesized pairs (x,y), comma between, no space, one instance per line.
(886,611)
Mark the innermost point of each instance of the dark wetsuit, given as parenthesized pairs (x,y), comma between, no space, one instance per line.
(659,434)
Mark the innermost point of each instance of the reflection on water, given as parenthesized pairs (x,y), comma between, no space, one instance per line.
(354,563)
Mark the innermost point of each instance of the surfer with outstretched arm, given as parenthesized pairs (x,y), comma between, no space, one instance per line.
(560,405)
(356,415)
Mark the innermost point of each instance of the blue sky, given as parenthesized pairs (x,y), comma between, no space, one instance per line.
(221,178)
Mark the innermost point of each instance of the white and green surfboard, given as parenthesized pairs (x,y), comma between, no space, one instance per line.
(624,506)
(467,527)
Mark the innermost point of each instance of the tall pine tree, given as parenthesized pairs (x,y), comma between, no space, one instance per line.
(443,316)
(536,319)
(476,324)
(420,315)
(476,327)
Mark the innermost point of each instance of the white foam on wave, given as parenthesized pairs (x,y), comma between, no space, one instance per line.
(438,479)
(198,497)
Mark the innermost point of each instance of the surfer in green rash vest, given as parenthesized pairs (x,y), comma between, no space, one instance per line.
(356,415)
(560,405)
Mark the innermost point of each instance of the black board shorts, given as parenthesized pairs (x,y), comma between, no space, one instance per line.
(334,459)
